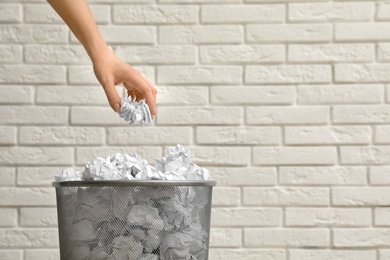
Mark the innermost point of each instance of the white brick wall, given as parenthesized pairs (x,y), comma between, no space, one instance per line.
(287,102)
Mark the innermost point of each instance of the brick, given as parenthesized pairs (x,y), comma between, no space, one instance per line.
(40,13)
(253,196)
(365,154)
(82,75)
(262,1)
(85,75)
(224,237)
(252,95)
(331,12)
(47,254)
(37,176)
(243,13)
(64,54)
(382,216)
(36,155)
(33,115)
(7,135)
(85,154)
(199,115)
(199,1)
(301,115)
(331,52)
(270,53)
(382,134)
(199,75)
(7,176)
(27,197)
(247,254)
(149,136)
(323,175)
(362,31)
(29,238)
(340,94)
(128,34)
(11,254)
(152,14)
(289,33)
(43,13)
(328,217)
(226,196)
(294,155)
(62,135)
(16,94)
(379,175)
(123,1)
(157,54)
(212,155)
(244,217)
(237,176)
(362,72)
(361,114)
(328,135)
(101,13)
(388,93)
(8,218)
(11,53)
(31,1)
(383,11)
(10,12)
(72,95)
(287,237)
(182,95)
(32,74)
(384,254)
(361,196)
(33,33)
(384,51)
(324,254)
(361,237)
(288,74)
(200,34)
(95,116)
(238,135)
(38,217)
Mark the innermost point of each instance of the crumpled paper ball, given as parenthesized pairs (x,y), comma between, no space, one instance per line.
(132,111)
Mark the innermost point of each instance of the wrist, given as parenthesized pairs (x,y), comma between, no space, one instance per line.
(102,53)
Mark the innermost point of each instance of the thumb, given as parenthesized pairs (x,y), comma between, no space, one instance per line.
(112,95)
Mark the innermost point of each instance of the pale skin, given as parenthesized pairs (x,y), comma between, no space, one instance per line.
(109,69)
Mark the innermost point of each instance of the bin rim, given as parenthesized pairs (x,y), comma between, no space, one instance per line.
(129,183)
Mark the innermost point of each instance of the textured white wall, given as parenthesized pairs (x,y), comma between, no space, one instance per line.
(287,102)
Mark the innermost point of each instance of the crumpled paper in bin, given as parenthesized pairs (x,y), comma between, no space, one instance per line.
(139,223)
(177,165)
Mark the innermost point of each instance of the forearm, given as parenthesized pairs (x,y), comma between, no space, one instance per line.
(77,15)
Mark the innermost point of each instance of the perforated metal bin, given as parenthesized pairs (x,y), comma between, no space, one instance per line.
(134,220)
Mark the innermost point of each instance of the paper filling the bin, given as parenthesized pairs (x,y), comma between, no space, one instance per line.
(158,225)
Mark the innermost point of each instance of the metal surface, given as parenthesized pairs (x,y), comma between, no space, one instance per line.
(147,183)
(129,220)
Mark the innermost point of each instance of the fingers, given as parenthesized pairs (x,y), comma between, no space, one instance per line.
(143,90)
(152,87)
(134,81)
(112,95)
(135,95)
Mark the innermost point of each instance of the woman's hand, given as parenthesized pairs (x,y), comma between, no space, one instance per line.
(111,71)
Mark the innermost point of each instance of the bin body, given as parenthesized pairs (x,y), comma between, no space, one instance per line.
(137,220)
